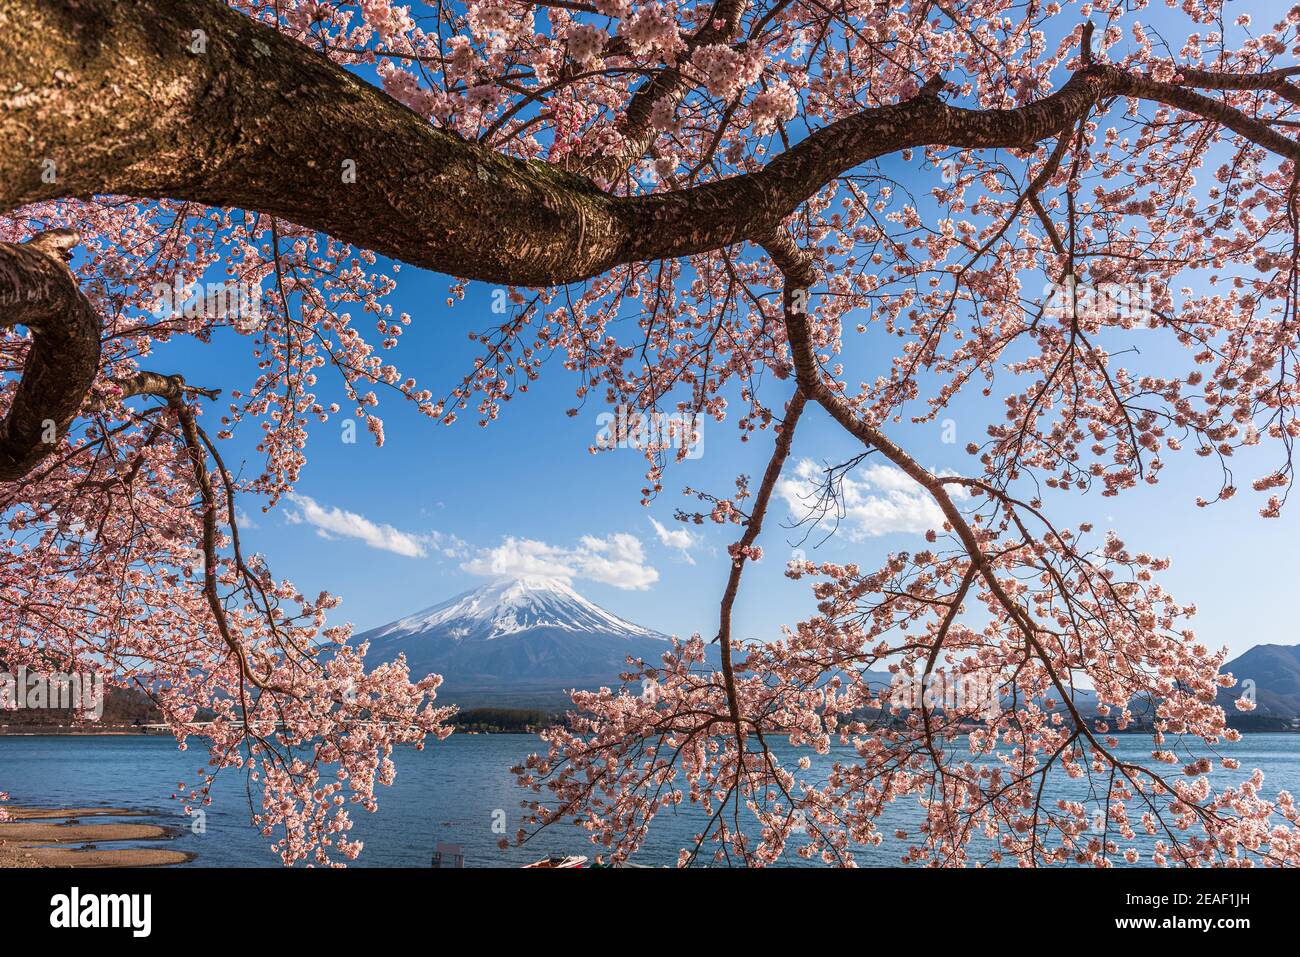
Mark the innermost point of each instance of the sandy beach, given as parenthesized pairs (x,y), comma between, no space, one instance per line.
(59,837)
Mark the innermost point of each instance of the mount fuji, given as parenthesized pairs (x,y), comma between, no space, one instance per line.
(517,642)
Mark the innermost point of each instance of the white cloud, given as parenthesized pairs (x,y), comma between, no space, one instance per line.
(447,544)
(336,521)
(878,500)
(680,539)
(617,559)
(520,558)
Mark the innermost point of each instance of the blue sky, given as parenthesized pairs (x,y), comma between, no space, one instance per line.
(437,509)
(432,512)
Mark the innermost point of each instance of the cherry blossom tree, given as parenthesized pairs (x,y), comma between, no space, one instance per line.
(712,208)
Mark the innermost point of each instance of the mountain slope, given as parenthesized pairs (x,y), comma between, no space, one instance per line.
(524,642)
(518,641)
(1275,670)
(512,606)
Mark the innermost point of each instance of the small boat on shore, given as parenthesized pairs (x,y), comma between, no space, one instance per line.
(571,860)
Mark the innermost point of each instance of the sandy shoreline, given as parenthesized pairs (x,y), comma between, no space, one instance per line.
(57,837)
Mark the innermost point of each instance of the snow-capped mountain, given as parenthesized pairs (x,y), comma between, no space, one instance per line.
(517,641)
(510,607)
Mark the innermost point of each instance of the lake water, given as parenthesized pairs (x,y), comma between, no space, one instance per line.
(452,792)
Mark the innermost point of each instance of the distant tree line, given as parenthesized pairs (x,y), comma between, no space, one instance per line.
(505,719)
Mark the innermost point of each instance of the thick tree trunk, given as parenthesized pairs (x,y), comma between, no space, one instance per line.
(114,97)
(39,291)
(189,100)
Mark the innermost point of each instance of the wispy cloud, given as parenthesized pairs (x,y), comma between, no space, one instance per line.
(877,500)
(680,539)
(336,521)
(447,544)
(617,559)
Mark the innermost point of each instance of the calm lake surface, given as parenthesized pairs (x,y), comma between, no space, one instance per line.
(452,792)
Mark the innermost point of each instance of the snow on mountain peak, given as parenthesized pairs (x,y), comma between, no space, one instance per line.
(510,606)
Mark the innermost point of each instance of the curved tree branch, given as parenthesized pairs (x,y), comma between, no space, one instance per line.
(740,551)
(39,291)
(111,97)
(800,273)
(191,100)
